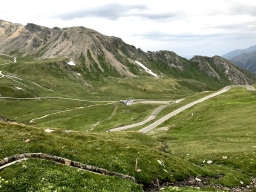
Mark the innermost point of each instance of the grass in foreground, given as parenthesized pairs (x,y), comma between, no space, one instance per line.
(113,151)
(42,175)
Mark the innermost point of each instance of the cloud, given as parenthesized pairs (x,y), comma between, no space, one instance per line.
(114,11)
(160,36)
(242,26)
(243,9)
(156,16)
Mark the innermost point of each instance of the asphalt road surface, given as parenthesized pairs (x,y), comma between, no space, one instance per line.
(177,111)
(151,117)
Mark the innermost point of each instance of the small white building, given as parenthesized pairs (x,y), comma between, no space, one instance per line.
(126,102)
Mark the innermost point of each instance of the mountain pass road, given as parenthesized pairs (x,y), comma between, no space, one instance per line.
(177,111)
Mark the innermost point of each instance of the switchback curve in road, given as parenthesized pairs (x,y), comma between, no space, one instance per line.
(177,111)
(151,117)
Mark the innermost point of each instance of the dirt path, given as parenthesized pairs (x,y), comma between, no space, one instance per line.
(113,113)
(64,111)
(109,118)
(62,98)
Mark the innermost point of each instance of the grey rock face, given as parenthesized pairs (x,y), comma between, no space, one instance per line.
(221,68)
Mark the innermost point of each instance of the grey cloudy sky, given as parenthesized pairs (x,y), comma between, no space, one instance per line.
(187,27)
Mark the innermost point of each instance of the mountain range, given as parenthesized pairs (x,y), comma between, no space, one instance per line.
(244,58)
(96,55)
(246,61)
(238,52)
(62,93)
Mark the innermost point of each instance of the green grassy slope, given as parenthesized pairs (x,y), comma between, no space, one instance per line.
(41,175)
(54,77)
(112,151)
(5,59)
(222,130)
(29,78)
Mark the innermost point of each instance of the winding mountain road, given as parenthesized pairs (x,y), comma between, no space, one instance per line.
(151,117)
(177,111)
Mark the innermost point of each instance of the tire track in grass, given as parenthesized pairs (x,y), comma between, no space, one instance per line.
(64,111)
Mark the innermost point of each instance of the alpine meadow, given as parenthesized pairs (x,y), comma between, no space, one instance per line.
(83,111)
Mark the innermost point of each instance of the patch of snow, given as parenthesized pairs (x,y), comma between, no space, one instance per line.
(146,69)
(71,63)
(1,74)
(19,88)
(48,130)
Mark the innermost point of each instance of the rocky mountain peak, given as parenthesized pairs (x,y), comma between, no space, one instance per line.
(217,66)
(97,55)
(33,28)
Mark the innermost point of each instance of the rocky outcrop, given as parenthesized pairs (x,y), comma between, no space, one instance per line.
(87,48)
(223,69)
(9,160)
(205,66)
(167,58)
(95,55)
